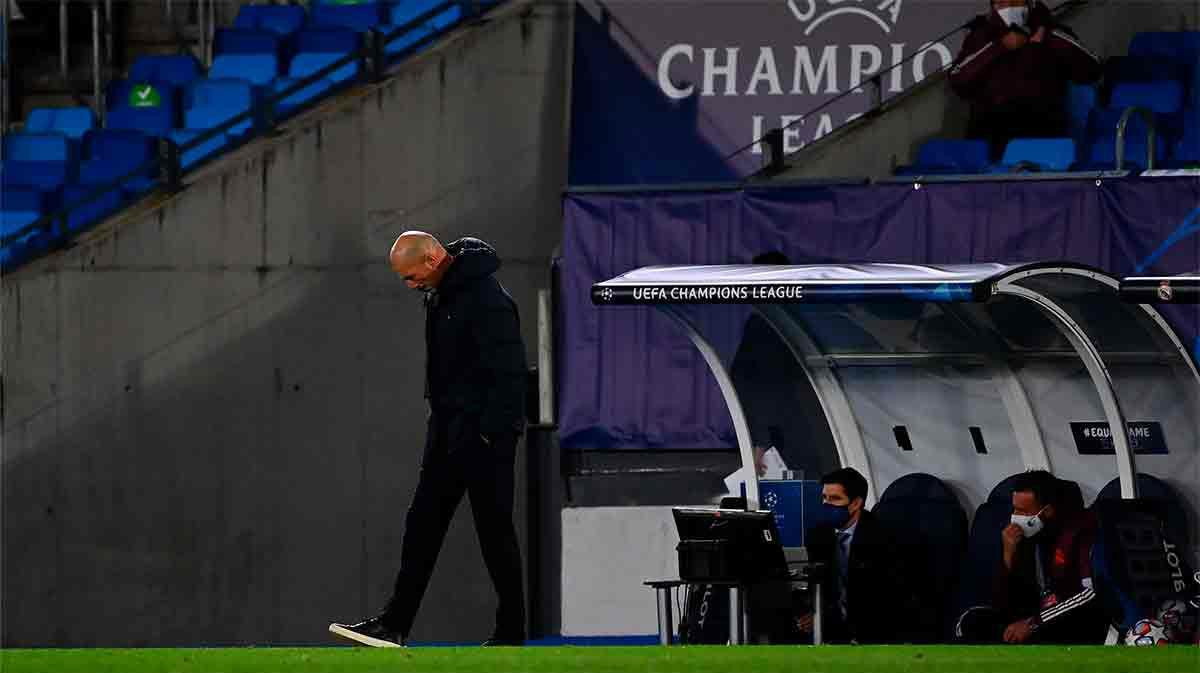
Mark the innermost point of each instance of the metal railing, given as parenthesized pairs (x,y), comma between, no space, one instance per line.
(373,61)
(1119,149)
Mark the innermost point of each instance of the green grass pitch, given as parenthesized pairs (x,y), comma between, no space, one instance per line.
(713,659)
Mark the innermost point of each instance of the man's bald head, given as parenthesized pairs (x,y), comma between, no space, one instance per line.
(419,258)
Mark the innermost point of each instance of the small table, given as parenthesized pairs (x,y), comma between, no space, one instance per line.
(739,619)
(807,574)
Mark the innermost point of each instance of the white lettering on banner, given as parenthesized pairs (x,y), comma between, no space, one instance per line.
(792,140)
(826,70)
(897,84)
(918,63)
(765,70)
(728,70)
(859,71)
(703,293)
(1176,570)
(792,133)
(664,71)
(721,75)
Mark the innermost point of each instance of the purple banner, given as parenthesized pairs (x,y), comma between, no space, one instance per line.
(670,91)
(630,379)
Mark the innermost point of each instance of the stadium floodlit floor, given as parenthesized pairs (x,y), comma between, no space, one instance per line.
(714,659)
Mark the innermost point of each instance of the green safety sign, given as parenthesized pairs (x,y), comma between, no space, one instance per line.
(144,95)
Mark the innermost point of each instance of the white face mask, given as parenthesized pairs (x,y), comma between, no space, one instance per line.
(1030,525)
(1014,16)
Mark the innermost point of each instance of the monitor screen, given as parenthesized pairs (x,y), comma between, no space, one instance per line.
(752,534)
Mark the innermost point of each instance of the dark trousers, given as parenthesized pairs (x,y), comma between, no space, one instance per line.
(999,124)
(458,461)
(1087,625)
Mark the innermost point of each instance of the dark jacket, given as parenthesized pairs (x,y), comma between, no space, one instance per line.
(880,602)
(475,359)
(1068,598)
(987,73)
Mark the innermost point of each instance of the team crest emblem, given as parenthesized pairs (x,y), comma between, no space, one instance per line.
(813,13)
(1165,292)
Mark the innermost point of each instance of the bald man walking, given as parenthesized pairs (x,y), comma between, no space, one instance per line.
(475,385)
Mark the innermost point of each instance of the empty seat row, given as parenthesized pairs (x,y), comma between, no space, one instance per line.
(62,157)
(44,172)
(1173,149)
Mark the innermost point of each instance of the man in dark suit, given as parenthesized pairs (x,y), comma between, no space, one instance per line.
(475,385)
(868,597)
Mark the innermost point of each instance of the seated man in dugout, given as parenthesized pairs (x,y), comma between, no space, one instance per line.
(868,597)
(1013,69)
(1042,593)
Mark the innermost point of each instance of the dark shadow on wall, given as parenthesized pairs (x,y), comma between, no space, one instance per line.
(624,131)
(248,497)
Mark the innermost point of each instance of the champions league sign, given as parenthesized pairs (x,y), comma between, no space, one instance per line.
(698,294)
(684,85)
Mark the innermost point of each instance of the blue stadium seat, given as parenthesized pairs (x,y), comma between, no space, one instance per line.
(81,214)
(44,161)
(124,113)
(1181,46)
(927,514)
(214,101)
(112,153)
(247,54)
(246,41)
(317,49)
(1162,97)
(1119,69)
(208,104)
(283,20)
(1186,151)
(21,206)
(1081,100)
(398,14)
(72,121)
(177,70)
(1102,155)
(1046,154)
(949,157)
(359,17)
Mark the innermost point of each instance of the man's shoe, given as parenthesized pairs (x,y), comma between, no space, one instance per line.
(501,641)
(372,632)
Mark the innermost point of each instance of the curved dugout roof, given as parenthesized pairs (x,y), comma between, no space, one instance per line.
(1038,361)
(751,284)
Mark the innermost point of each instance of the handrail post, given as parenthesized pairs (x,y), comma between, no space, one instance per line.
(876,92)
(96,103)
(108,34)
(378,59)
(170,166)
(1122,124)
(63,39)
(775,161)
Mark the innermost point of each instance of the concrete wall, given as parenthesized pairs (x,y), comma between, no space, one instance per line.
(875,145)
(213,410)
(607,552)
